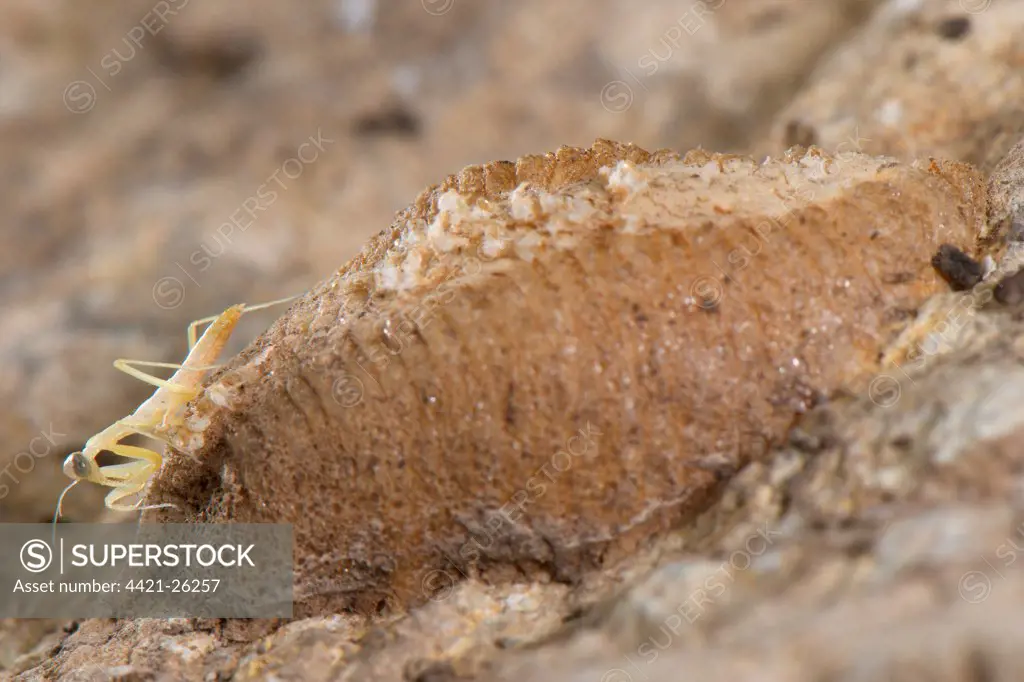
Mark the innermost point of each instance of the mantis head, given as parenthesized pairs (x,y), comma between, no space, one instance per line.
(79,467)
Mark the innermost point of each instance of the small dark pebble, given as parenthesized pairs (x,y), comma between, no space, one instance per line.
(902,442)
(425,670)
(393,120)
(954,28)
(800,133)
(1010,290)
(219,57)
(956,267)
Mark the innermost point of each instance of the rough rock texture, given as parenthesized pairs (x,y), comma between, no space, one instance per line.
(880,542)
(920,78)
(1005,226)
(696,73)
(540,364)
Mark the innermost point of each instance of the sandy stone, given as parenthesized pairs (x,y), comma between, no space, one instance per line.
(911,84)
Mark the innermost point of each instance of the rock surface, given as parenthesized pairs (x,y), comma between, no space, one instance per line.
(880,540)
(920,78)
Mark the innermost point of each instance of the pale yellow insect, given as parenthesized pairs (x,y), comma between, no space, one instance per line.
(158,418)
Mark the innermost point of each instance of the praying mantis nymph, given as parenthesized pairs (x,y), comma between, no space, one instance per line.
(157,418)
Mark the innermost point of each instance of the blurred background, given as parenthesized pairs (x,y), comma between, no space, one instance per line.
(165,159)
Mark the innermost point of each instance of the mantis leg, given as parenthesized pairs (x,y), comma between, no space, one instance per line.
(146,429)
(117,475)
(126,367)
(113,498)
(149,431)
(193,327)
(145,465)
(130,478)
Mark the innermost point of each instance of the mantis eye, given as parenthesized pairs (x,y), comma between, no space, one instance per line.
(77,466)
